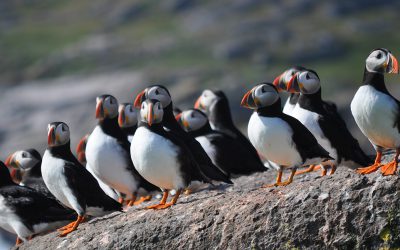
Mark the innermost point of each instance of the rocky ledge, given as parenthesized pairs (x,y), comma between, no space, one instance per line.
(342,211)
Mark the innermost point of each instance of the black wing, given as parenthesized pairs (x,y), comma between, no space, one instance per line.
(336,131)
(305,141)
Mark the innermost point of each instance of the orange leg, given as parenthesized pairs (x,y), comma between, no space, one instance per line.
(172,202)
(391,167)
(18,242)
(73,228)
(374,167)
(121,200)
(278,180)
(162,202)
(324,171)
(132,201)
(308,170)
(290,180)
(333,169)
(142,199)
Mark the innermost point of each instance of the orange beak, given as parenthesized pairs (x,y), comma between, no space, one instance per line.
(9,161)
(50,137)
(82,145)
(277,83)
(121,117)
(248,100)
(150,115)
(99,110)
(16,176)
(138,99)
(395,65)
(292,85)
(82,157)
(178,117)
(197,104)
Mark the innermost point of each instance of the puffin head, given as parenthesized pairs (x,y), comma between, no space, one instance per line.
(154,92)
(127,116)
(283,79)
(81,149)
(262,95)
(57,134)
(192,120)
(381,61)
(23,159)
(306,82)
(106,107)
(151,112)
(205,100)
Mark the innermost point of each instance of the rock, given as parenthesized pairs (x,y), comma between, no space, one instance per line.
(343,211)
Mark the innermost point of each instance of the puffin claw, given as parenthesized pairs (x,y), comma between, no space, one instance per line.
(389,168)
(369,169)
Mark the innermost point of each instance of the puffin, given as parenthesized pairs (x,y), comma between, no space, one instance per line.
(161,93)
(377,112)
(27,212)
(29,162)
(281,81)
(127,119)
(226,153)
(216,105)
(324,122)
(279,137)
(108,154)
(161,156)
(70,182)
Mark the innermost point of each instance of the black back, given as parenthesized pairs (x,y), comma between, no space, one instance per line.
(83,185)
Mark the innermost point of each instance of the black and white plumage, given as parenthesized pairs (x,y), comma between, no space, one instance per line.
(324,121)
(216,105)
(70,182)
(376,111)
(226,153)
(108,152)
(27,212)
(161,157)
(127,119)
(279,137)
(281,82)
(206,167)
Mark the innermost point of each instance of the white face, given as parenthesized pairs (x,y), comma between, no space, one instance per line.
(206,99)
(127,116)
(264,95)
(377,61)
(159,94)
(151,113)
(109,107)
(309,82)
(193,120)
(57,134)
(24,160)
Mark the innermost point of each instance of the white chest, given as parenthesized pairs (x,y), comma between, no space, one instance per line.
(288,108)
(375,114)
(156,159)
(207,146)
(272,137)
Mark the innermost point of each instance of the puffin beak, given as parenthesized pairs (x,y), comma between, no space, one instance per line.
(293,85)
(10,162)
(394,65)
(278,84)
(121,118)
(138,99)
(99,110)
(178,117)
(150,114)
(198,104)
(81,145)
(15,176)
(82,157)
(248,101)
(51,137)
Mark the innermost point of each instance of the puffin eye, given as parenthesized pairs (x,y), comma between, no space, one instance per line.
(157,92)
(262,90)
(24,155)
(307,76)
(379,56)
(62,128)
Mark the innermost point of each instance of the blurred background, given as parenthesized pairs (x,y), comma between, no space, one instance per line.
(57,56)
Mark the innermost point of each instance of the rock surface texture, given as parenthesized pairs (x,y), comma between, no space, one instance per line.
(342,211)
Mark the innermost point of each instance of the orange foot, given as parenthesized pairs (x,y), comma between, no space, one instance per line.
(188,191)
(389,168)
(308,170)
(167,205)
(66,227)
(142,199)
(73,228)
(370,169)
(157,206)
(277,184)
